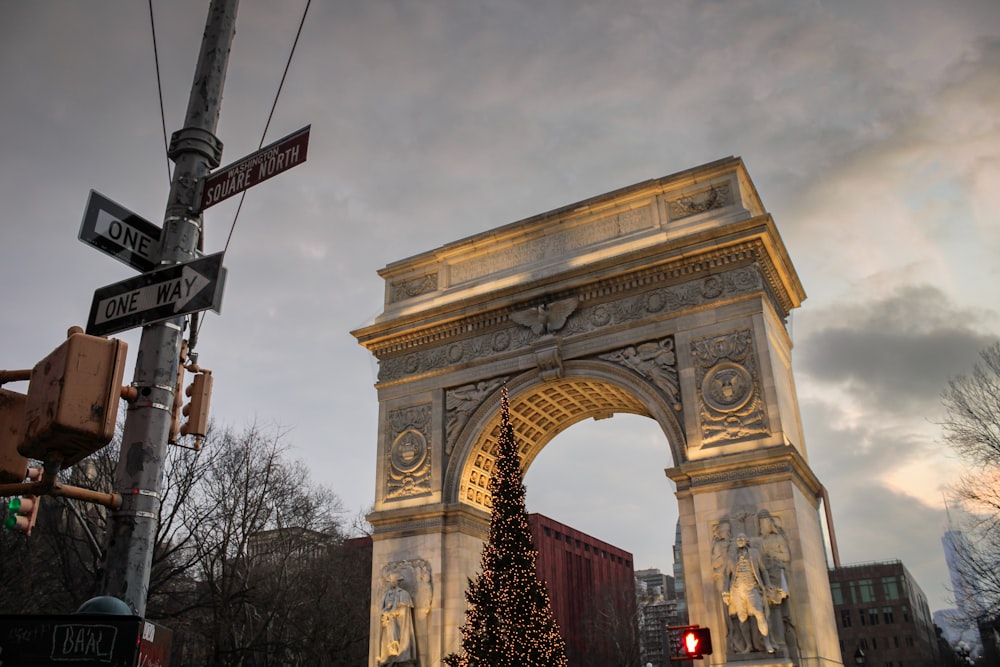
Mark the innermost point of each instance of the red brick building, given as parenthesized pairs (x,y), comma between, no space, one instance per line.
(882,611)
(592,588)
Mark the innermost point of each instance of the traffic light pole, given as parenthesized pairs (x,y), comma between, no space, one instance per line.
(131,532)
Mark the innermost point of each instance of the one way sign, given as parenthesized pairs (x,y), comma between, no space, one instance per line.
(158,295)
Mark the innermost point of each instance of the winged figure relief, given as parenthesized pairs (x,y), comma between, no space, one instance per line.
(547,317)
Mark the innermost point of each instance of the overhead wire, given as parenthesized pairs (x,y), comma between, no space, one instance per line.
(196,323)
(274,106)
(159,89)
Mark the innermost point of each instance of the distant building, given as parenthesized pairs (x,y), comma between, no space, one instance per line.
(657,611)
(881,610)
(960,625)
(679,594)
(592,589)
(654,584)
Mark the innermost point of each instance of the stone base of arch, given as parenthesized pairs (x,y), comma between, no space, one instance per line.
(773,485)
(438,548)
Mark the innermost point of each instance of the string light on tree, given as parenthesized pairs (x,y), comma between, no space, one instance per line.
(509,620)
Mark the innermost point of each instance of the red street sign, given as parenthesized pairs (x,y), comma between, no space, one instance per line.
(255,168)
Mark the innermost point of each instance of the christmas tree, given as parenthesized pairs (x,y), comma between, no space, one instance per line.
(509,620)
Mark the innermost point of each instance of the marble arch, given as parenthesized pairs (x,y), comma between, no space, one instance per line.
(669,299)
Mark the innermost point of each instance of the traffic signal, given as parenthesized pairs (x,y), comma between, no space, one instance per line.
(175,421)
(73,396)
(199,393)
(695,643)
(13,466)
(22,512)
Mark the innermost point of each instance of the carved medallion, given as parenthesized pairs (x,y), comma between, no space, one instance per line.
(409,451)
(409,469)
(732,407)
(727,387)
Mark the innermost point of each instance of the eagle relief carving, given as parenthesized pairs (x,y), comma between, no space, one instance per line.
(546,318)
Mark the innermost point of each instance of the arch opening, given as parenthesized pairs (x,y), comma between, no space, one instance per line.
(540,411)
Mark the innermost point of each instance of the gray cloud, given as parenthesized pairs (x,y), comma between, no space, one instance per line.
(897,352)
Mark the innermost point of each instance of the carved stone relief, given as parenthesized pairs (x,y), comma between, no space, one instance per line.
(665,299)
(728,381)
(717,196)
(409,469)
(407,289)
(406,596)
(461,402)
(750,561)
(656,361)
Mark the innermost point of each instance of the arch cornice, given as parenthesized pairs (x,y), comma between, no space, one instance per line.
(754,241)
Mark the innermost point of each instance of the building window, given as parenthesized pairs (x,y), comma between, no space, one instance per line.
(906,614)
(867,590)
(863,643)
(873,616)
(890,588)
(909,641)
(895,641)
(874,643)
(887,614)
(861,615)
(836,592)
(845,618)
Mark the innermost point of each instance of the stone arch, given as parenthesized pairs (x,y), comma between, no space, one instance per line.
(668,298)
(540,410)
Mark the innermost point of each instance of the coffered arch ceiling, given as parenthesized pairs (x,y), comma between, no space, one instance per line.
(539,411)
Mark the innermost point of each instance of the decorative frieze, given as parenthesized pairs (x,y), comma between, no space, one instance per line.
(407,289)
(728,380)
(719,195)
(609,313)
(461,402)
(408,472)
(654,360)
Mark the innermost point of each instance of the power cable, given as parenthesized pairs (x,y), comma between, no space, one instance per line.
(267,125)
(159,89)
(197,323)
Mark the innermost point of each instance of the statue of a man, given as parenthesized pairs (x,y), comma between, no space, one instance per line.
(774,544)
(746,583)
(396,643)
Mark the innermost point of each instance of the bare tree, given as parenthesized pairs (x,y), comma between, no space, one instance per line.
(251,564)
(972,429)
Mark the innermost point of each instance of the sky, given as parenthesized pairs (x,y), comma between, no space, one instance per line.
(870,130)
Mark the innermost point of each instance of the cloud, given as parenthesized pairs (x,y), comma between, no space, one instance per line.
(896,353)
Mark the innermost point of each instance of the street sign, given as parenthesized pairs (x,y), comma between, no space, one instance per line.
(255,168)
(83,640)
(158,295)
(117,231)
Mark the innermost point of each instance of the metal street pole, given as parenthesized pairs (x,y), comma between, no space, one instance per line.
(131,531)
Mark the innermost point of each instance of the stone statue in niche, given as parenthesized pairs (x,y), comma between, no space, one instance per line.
(745,592)
(406,599)
(721,543)
(397,640)
(774,545)
(751,577)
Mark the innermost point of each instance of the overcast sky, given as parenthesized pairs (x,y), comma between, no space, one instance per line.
(870,129)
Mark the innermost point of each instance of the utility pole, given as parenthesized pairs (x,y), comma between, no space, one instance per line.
(195,150)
